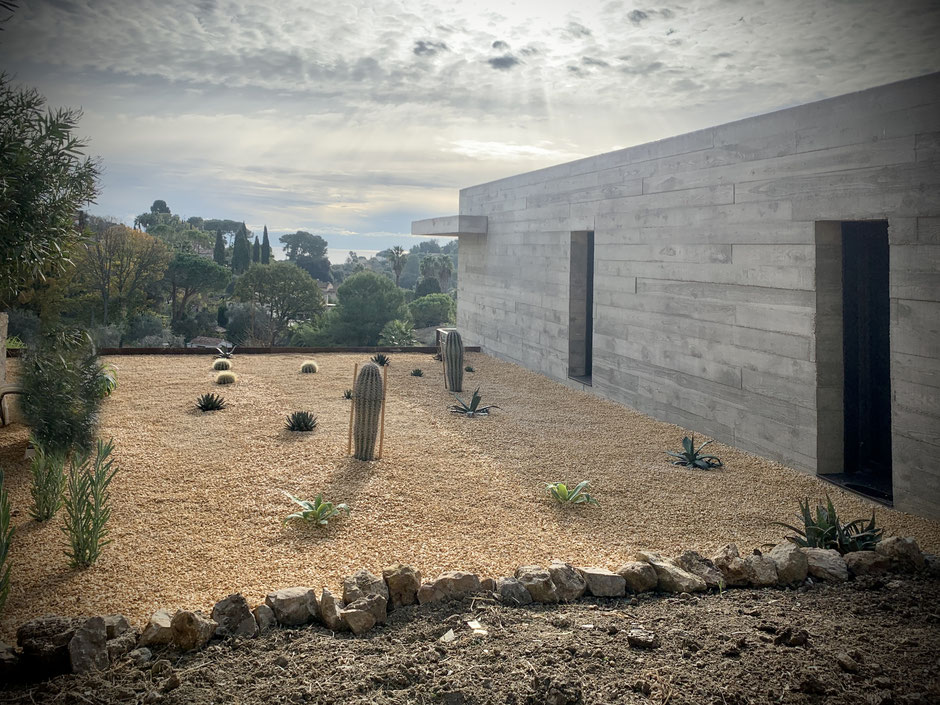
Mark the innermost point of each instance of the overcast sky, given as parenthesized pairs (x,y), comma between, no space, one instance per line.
(351,119)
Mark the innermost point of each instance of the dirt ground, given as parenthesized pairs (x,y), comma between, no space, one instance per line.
(872,641)
(198,503)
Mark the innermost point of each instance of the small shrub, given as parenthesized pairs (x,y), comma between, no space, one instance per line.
(87,505)
(397,334)
(826,531)
(226,378)
(225,354)
(106,379)
(317,511)
(14,343)
(468,368)
(692,457)
(561,494)
(222,364)
(301,421)
(417,372)
(381,359)
(309,367)
(210,402)
(6,538)
(347,394)
(48,482)
(473,408)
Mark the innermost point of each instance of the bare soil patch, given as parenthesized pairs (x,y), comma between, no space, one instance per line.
(199,501)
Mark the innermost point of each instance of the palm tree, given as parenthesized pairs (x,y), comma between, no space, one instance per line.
(445,268)
(399,259)
(428,266)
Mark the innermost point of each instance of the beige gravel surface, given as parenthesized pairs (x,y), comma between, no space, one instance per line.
(198,503)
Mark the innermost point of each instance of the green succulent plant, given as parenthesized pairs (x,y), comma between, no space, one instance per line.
(473,408)
(222,364)
(692,457)
(825,530)
(469,368)
(226,378)
(226,354)
(347,394)
(301,421)
(210,402)
(316,512)
(417,373)
(579,495)
(381,359)
(309,367)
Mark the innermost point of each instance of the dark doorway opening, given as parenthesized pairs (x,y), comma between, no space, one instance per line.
(581,307)
(867,360)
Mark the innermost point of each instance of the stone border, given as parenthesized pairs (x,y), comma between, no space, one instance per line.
(52,645)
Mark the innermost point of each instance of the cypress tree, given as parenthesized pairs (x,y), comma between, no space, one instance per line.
(219,253)
(256,251)
(241,251)
(265,247)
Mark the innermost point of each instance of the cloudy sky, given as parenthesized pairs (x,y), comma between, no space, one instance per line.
(351,119)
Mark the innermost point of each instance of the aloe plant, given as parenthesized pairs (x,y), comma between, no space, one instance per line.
(825,530)
(318,511)
(579,495)
(381,359)
(301,421)
(692,457)
(473,408)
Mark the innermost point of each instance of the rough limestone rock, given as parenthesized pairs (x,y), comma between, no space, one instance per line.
(488,585)
(790,560)
(826,564)
(264,618)
(538,582)
(639,576)
(763,570)
(159,631)
(866,563)
(451,585)
(358,617)
(116,624)
(640,638)
(904,553)
(192,630)
(696,564)
(376,605)
(121,645)
(140,657)
(569,585)
(671,578)
(403,582)
(330,608)
(293,606)
(603,583)
(88,648)
(735,570)
(45,643)
(932,564)
(234,617)
(511,592)
(361,584)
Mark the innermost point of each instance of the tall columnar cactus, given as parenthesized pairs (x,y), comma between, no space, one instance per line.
(453,361)
(367,401)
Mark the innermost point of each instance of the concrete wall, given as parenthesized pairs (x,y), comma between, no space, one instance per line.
(712,272)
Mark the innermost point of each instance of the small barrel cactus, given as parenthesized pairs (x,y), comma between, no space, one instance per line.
(309,367)
(367,403)
(453,361)
(226,378)
(222,364)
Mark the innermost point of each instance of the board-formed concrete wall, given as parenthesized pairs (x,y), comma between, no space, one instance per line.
(707,289)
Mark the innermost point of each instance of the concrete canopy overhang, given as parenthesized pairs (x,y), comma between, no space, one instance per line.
(450,226)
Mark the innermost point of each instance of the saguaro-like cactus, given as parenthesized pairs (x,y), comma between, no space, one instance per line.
(367,402)
(453,361)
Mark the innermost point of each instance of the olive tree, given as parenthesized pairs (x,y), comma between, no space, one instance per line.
(286,291)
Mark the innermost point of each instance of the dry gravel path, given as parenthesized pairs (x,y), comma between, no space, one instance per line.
(198,503)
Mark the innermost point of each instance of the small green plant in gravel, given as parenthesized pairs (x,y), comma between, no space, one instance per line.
(825,530)
(381,359)
(210,402)
(301,421)
(579,495)
(48,482)
(347,394)
(417,372)
(222,364)
(226,354)
(692,457)
(106,379)
(309,367)
(87,504)
(6,537)
(226,378)
(469,368)
(473,408)
(316,512)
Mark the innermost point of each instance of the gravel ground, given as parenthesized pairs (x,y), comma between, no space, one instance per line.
(198,503)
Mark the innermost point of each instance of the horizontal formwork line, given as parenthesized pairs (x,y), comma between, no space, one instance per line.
(275,351)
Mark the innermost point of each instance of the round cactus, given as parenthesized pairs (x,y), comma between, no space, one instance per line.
(309,367)
(222,364)
(367,403)
(453,361)
(226,378)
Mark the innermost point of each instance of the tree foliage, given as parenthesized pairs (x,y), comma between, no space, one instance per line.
(428,285)
(398,258)
(44,180)
(241,251)
(218,253)
(265,248)
(432,310)
(284,290)
(190,275)
(256,252)
(308,252)
(367,301)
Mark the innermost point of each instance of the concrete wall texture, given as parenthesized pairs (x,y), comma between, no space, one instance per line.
(714,272)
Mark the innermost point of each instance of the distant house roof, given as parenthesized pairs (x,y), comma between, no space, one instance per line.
(202,341)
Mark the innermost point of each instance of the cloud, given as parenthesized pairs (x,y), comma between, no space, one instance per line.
(637,16)
(500,45)
(428,48)
(643,68)
(590,61)
(576,30)
(504,62)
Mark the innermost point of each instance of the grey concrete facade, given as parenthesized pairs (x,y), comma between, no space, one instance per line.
(717,280)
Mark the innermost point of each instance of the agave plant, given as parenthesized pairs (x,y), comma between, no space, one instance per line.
(227,354)
(826,531)
(347,394)
(210,402)
(301,421)
(561,494)
(317,511)
(469,368)
(381,359)
(417,372)
(473,408)
(692,457)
